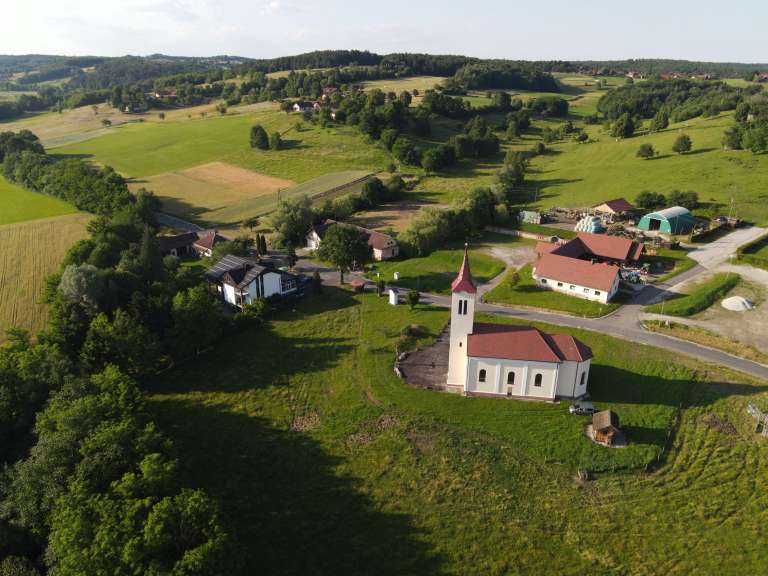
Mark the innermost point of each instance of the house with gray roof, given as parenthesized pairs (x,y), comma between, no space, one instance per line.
(241,280)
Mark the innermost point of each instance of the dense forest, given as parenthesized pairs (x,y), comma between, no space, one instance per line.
(679,99)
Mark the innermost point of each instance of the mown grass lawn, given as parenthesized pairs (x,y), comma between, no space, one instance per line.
(526,292)
(151,148)
(697,297)
(675,261)
(19,205)
(326,463)
(435,272)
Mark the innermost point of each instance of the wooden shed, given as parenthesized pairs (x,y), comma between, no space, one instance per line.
(605,427)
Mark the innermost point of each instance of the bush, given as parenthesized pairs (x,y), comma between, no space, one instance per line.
(700,297)
(682,144)
(650,200)
(259,138)
(645,151)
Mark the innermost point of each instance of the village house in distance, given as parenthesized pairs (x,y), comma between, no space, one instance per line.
(383,245)
(510,361)
(586,267)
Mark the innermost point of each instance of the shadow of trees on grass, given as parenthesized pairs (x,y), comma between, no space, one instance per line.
(288,507)
(289,510)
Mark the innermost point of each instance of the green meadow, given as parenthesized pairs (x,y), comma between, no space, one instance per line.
(151,148)
(328,462)
(20,205)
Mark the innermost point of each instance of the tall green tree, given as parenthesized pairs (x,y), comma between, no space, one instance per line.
(259,138)
(682,144)
(197,321)
(346,247)
(624,127)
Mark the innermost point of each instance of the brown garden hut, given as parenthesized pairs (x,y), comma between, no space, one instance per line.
(605,427)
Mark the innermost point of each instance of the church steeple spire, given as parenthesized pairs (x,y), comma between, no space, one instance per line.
(463,282)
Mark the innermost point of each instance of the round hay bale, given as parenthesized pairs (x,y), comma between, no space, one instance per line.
(737,304)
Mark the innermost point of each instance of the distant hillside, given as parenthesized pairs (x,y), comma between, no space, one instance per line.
(656,66)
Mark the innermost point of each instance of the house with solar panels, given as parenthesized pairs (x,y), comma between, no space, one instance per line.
(501,360)
(240,280)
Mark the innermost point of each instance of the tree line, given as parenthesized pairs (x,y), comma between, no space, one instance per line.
(24,161)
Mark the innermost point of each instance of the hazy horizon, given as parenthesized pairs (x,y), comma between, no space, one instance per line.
(597,30)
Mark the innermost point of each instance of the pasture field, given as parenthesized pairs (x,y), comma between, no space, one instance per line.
(329,461)
(411,83)
(85,123)
(222,195)
(152,148)
(584,174)
(31,251)
(18,204)
(214,194)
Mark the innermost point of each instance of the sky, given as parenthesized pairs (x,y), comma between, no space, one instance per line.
(514,29)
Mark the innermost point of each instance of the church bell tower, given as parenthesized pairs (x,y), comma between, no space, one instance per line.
(463,295)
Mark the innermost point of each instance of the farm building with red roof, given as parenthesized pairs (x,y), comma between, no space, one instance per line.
(586,267)
(510,361)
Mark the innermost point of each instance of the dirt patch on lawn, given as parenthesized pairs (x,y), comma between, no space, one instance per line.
(215,194)
(516,257)
(247,182)
(396,216)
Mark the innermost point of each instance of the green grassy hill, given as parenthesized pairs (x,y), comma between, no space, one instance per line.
(583,174)
(151,148)
(326,462)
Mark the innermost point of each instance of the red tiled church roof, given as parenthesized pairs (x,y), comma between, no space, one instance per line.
(524,343)
(463,282)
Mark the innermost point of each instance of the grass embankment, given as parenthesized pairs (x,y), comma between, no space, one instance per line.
(325,461)
(755,253)
(707,338)
(526,292)
(697,297)
(676,261)
(435,272)
(19,205)
(30,252)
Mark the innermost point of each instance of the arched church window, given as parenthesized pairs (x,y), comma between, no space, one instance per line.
(537,380)
(481,376)
(583,376)
(511,378)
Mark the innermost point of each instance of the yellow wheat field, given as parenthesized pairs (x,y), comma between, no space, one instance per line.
(30,251)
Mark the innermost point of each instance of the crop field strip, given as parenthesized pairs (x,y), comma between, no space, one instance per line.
(31,251)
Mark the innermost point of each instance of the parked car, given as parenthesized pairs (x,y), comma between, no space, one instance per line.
(582,409)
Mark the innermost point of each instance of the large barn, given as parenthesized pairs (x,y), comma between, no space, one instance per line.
(510,361)
(674,220)
(586,266)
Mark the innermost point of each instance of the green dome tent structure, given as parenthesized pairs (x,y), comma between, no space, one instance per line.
(674,220)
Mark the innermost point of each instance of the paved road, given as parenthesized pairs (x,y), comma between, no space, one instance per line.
(624,323)
(714,253)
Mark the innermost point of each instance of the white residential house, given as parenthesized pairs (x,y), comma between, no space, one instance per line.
(383,245)
(510,361)
(240,281)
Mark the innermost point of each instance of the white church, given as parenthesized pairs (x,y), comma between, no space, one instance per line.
(510,361)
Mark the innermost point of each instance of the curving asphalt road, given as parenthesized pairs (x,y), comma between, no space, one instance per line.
(624,323)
